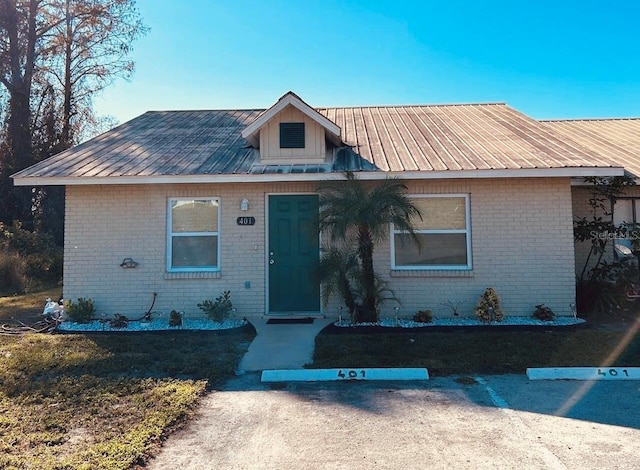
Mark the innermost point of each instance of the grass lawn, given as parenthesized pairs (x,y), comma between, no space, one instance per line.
(26,308)
(87,401)
(468,352)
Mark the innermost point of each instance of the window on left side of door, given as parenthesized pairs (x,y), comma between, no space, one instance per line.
(193,234)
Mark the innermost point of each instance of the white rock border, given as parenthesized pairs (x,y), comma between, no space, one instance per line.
(156,324)
(464,321)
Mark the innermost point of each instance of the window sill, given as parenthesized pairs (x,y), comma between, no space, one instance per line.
(193,275)
(431,273)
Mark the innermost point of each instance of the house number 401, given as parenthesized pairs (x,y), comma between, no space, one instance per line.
(613,372)
(246,221)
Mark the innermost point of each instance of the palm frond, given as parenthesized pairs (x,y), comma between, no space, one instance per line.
(338,270)
(351,209)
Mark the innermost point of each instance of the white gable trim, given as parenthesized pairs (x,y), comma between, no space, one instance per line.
(251,131)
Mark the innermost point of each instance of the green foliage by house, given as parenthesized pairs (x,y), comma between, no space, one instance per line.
(82,311)
(356,215)
(220,309)
(605,279)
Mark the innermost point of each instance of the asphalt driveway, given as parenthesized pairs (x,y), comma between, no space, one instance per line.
(492,422)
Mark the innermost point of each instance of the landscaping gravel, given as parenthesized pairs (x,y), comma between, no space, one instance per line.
(507,321)
(156,324)
(159,324)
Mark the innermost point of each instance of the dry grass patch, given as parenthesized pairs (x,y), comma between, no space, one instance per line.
(103,401)
(26,308)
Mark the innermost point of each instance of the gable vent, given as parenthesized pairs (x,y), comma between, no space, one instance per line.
(292,135)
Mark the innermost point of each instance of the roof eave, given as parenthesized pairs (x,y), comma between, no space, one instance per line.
(289,177)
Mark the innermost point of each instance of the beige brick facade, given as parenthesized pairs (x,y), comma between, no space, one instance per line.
(521,233)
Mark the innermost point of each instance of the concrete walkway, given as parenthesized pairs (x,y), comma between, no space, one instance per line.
(282,346)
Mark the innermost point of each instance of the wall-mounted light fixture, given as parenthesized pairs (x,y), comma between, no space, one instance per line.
(244,205)
(128,263)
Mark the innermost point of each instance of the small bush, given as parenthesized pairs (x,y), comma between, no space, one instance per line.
(220,309)
(423,316)
(175,318)
(543,313)
(119,321)
(80,312)
(488,308)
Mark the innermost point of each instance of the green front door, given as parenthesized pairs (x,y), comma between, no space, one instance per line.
(293,254)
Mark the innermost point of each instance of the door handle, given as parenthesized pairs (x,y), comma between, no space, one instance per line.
(271,261)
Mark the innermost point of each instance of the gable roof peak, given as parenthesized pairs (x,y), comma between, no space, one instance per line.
(252,131)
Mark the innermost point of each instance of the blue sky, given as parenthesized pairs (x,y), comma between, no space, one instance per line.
(546,58)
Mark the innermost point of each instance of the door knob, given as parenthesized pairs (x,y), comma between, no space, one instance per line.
(271,261)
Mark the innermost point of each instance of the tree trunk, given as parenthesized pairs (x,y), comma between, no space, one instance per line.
(67,105)
(18,82)
(365,251)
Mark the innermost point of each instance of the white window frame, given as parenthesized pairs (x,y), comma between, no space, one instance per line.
(171,235)
(458,267)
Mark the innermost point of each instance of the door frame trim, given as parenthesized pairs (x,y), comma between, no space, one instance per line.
(267,305)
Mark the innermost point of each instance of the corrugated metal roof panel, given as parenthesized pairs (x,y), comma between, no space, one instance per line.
(385,138)
(616,139)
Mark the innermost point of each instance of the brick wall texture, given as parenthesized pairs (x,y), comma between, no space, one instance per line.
(521,231)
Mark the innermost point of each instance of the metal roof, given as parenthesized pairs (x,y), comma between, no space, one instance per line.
(422,141)
(618,139)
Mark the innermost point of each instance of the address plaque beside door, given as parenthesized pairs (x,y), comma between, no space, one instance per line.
(246,221)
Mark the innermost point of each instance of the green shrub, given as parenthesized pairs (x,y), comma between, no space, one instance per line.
(15,238)
(605,290)
(81,312)
(543,313)
(35,260)
(119,321)
(12,278)
(488,308)
(43,268)
(175,318)
(220,309)
(423,316)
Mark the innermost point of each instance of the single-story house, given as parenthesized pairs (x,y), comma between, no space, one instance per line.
(189,204)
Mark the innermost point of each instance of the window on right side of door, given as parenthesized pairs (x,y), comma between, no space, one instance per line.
(443,235)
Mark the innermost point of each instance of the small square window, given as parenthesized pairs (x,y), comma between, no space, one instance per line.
(292,135)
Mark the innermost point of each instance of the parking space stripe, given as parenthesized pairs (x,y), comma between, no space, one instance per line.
(495,398)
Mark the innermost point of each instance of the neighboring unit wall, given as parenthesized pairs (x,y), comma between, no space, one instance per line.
(521,245)
(580,200)
(581,208)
